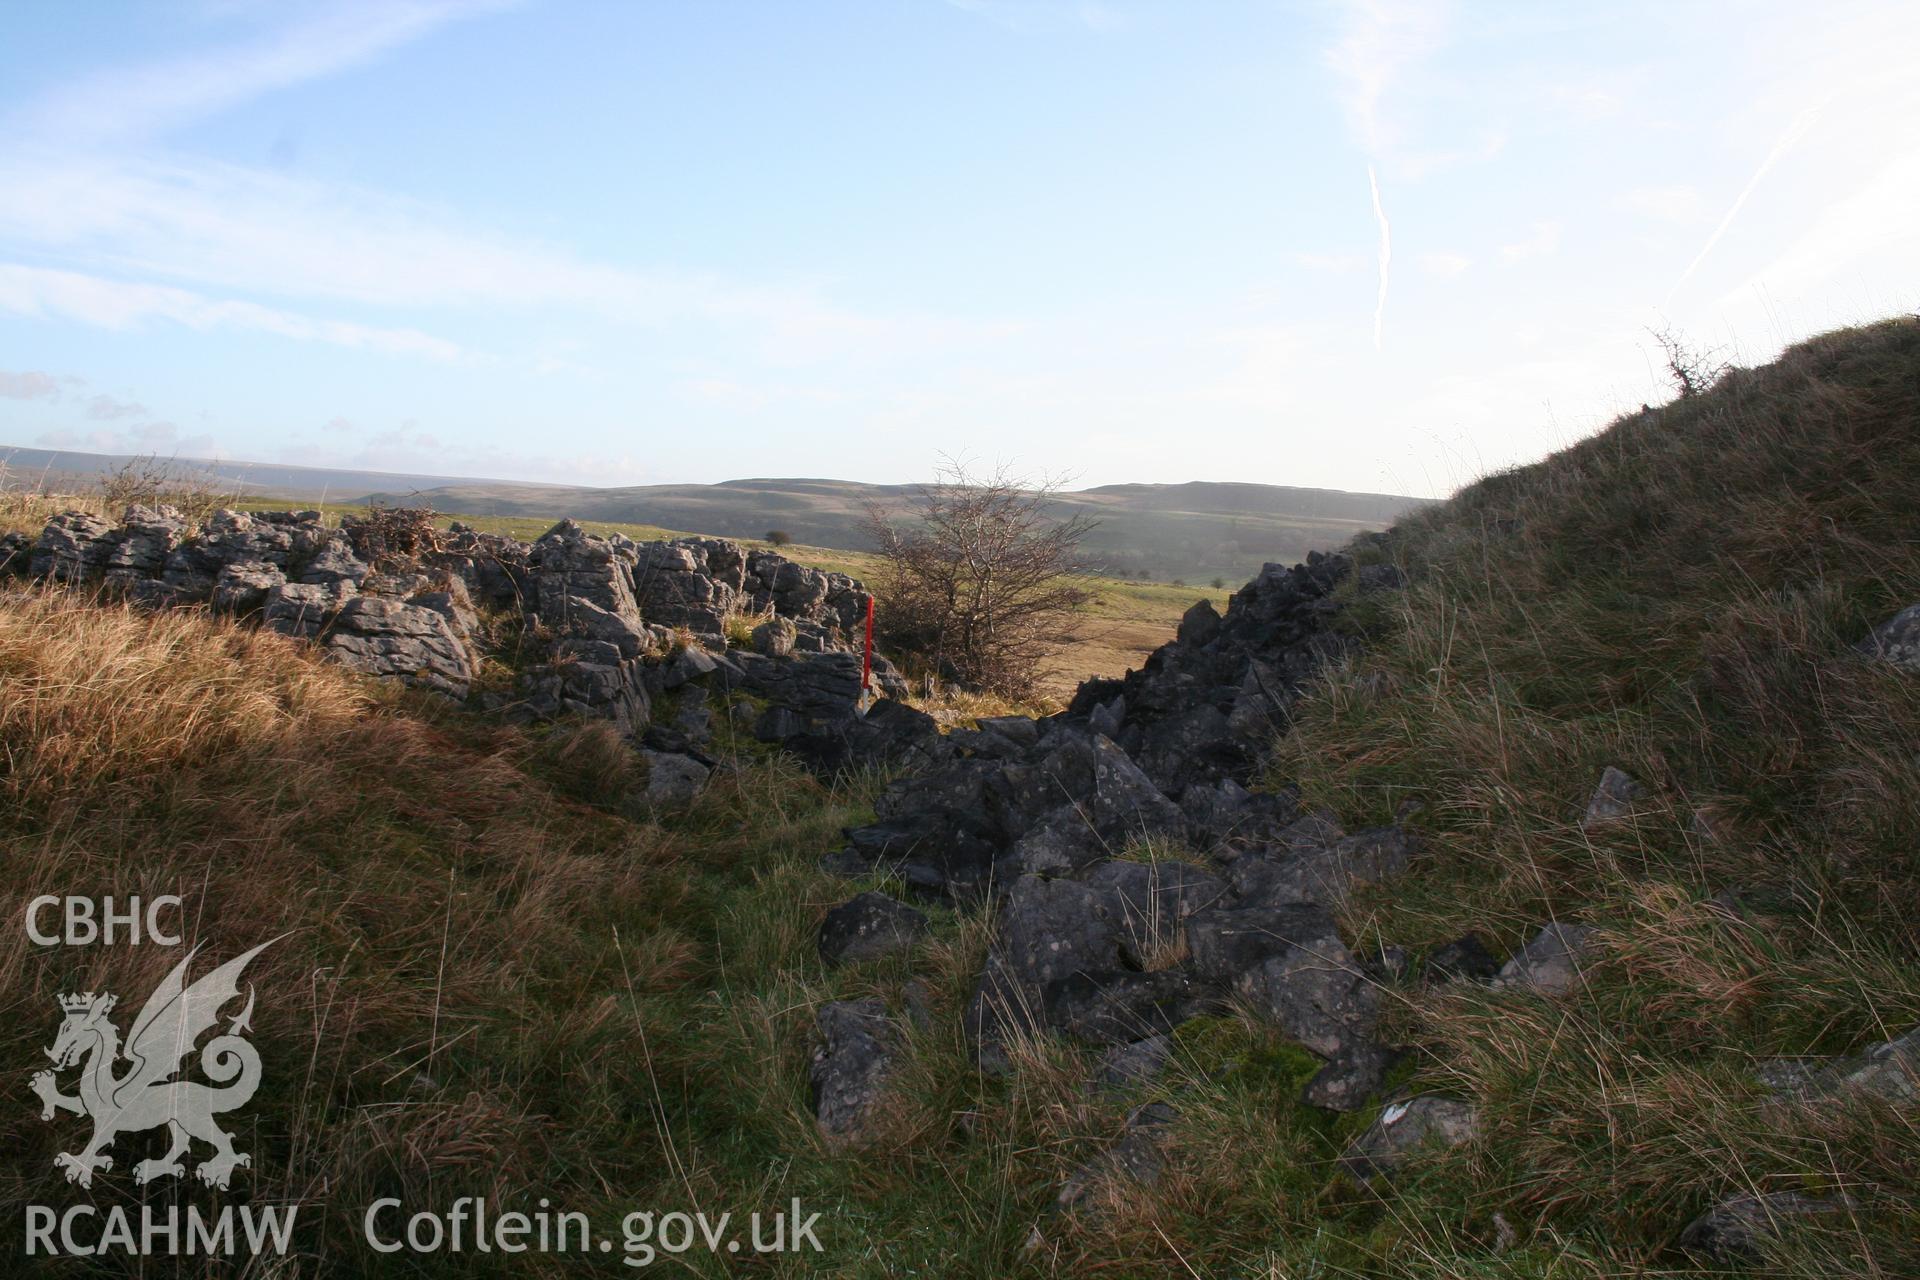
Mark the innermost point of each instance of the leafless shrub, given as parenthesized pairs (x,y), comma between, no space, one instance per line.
(1691,369)
(151,481)
(979,583)
(392,537)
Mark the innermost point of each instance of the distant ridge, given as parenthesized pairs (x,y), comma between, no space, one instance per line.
(1197,530)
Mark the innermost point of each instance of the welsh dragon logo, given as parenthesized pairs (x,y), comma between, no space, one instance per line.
(145,1095)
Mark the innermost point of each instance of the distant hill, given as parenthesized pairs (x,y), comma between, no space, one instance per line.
(1195,531)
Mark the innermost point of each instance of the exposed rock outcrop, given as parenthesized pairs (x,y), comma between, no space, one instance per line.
(593,626)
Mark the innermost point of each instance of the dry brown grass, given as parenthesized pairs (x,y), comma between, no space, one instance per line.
(430,1015)
(1679,597)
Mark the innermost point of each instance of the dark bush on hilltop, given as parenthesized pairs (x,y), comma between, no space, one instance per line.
(779,537)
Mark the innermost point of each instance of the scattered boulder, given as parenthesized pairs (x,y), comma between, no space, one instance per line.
(1406,1126)
(1290,963)
(1732,1231)
(673,779)
(1324,873)
(1350,1080)
(850,1067)
(774,638)
(16,554)
(1552,963)
(1118,1006)
(868,927)
(1889,1070)
(1897,640)
(1152,903)
(1140,1062)
(1613,799)
(1199,625)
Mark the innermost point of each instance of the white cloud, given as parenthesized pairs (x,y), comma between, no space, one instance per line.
(108,409)
(411,448)
(28,386)
(116,304)
(1544,239)
(232,228)
(147,100)
(1380,41)
(157,438)
(1445,266)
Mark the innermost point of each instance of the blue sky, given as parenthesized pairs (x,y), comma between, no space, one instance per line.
(1383,245)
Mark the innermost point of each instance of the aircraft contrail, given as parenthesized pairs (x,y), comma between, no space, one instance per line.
(1795,131)
(1386,257)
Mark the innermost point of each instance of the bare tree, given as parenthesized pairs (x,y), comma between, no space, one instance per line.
(1692,370)
(979,581)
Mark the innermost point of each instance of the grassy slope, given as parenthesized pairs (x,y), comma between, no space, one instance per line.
(1678,597)
(503,986)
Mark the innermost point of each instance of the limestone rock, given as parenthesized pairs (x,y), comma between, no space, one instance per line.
(1140,1062)
(1897,640)
(1289,962)
(73,546)
(774,638)
(381,637)
(850,1067)
(1732,1230)
(868,927)
(673,780)
(1404,1127)
(1349,1080)
(1551,964)
(243,587)
(1613,799)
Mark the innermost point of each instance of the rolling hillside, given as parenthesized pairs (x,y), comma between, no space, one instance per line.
(1193,532)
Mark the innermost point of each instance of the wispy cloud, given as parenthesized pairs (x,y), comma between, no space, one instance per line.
(108,409)
(1873,222)
(148,100)
(1380,41)
(1386,257)
(1795,130)
(230,228)
(153,437)
(28,386)
(1445,266)
(118,304)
